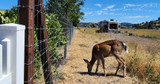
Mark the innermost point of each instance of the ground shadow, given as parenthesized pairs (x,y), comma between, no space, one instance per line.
(100,74)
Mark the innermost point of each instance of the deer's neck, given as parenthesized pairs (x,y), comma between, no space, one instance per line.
(93,59)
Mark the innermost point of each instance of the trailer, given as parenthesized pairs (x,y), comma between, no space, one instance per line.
(109,26)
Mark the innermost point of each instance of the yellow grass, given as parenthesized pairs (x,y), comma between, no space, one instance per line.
(143,61)
(75,69)
(143,64)
(149,33)
(97,36)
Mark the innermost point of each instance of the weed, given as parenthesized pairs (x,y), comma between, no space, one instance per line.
(143,61)
(148,72)
(157,78)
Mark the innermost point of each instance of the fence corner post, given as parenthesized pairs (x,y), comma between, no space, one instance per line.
(15,33)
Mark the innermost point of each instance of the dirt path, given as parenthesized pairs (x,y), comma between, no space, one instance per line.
(146,42)
(75,69)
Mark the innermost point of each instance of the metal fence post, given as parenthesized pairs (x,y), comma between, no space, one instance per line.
(65,31)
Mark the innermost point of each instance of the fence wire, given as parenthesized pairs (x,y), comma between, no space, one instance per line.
(60,31)
(142,60)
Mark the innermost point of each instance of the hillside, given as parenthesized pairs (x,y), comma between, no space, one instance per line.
(126,23)
(155,24)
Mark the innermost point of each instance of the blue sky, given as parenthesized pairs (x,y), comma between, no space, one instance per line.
(8,4)
(133,11)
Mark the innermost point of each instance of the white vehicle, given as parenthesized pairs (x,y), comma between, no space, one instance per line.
(109,26)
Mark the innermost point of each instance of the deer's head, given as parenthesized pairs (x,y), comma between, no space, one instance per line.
(89,65)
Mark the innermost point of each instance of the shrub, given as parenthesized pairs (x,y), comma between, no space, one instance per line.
(56,38)
(143,64)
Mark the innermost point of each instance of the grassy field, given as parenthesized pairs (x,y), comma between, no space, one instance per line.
(93,32)
(89,30)
(144,63)
(143,60)
(75,69)
(148,33)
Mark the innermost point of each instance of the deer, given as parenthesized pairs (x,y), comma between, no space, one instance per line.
(105,49)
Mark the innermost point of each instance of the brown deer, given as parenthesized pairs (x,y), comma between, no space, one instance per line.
(104,49)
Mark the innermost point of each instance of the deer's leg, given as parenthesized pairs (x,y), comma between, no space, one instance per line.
(117,66)
(98,60)
(124,67)
(103,63)
(121,60)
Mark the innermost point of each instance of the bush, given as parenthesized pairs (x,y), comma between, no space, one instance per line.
(56,38)
(143,64)
(9,16)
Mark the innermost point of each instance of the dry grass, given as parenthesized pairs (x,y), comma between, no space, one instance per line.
(143,60)
(75,68)
(143,63)
(93,32)
(148,33)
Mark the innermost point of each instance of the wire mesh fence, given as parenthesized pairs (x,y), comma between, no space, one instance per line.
(49,32)
(48,35)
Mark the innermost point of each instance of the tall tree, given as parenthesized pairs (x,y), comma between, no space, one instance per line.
(66,9)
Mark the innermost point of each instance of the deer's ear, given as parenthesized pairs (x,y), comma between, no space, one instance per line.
(86,61)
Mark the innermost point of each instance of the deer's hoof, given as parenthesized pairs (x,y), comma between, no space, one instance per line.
(124,76)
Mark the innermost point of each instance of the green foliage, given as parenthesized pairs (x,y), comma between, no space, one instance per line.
(133,63)
(71,8)
(149,72)
(9,16)
(56,38)
(55,34)
(147,25)
(144,70)
(37,59)
(157,78)
(3,19)
(55,30)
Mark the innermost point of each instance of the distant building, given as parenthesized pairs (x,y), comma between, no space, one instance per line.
(109,26)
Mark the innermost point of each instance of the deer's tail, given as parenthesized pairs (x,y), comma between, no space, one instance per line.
(125,47)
